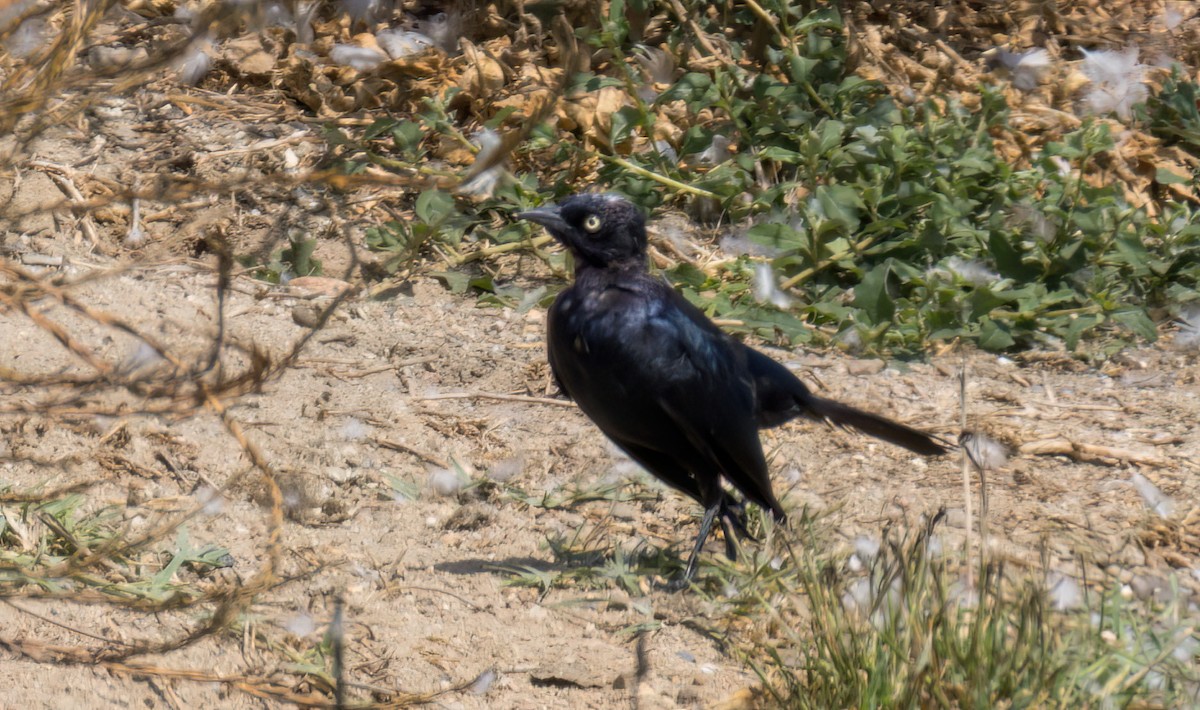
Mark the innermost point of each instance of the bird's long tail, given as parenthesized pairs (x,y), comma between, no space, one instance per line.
(780,396)
(844,415)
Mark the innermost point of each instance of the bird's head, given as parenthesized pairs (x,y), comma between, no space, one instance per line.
(600,229)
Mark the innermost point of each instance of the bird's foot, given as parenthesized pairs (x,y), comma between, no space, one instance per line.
(677,585)
(733,522)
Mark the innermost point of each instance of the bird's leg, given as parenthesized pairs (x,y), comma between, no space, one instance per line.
(734,514)
(731,547)
(710,514)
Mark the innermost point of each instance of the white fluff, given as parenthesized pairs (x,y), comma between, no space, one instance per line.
(135,236)
(360,10)
(300,625)
(857,597)
(275,14)
(933,546)
(305,11)
(400,44)
(766,289)
(657,65)
(866,548)
(27,39)
(484,184)
(717,152)
(865,551)
(861,596)
(196,63)
(1172,16)
(143,358)
(445,482)
(505,469)
(1117,81)
(738,244)
(1188,336)
(850,339)
(666,151)
(354,429)
(1155,499)
(483,682)
(210,500)
(1026,68)
(1036,221)
(971,271)
(360,58)
(987,453)
(488,142)
(444,29)
(1065,593)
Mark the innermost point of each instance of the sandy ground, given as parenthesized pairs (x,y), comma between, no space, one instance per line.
(393,390)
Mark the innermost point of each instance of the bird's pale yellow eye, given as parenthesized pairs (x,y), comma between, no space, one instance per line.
(591,224)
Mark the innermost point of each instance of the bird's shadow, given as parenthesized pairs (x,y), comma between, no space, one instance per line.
(591,567)
(499,567)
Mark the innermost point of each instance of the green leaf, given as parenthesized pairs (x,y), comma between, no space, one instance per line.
(692,87)
(801,68)
(689,275)
(1078,326)
(994,336)
(407,136)
(624,122)
(456,281)
(378,128)
(782,155)
(1167,177)
(1136,320)
(775,234)
(872,297)
(830,135)
(841,204)
(434,206)
(299,256)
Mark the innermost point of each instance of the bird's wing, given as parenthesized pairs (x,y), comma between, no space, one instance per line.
(551,357)
(709,395)
(654,374)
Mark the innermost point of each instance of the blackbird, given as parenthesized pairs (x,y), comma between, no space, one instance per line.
(674,392)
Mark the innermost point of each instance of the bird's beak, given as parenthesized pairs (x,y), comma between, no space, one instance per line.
(548,217)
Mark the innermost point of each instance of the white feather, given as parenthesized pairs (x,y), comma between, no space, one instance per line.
(400,44)
(1117,81)
(658,66)
(1188,336)
(444,29)
(766,290)
(1155,499)
(717,152)
(1026,68)
(360,58)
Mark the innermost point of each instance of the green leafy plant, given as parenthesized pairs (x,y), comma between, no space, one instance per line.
(294,260)
(889,226)
(1174,112)
(60,559)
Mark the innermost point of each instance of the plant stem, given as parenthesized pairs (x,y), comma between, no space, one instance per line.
(663,179)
